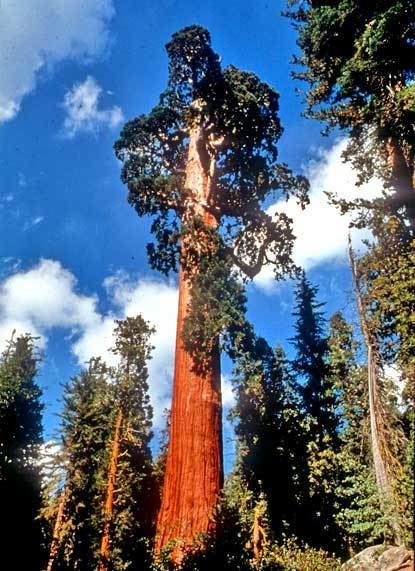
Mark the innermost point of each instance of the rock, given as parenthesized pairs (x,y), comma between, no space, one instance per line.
(381,558)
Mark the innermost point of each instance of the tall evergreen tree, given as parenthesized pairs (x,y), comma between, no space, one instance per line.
(320,415)
(271,446)
(85,431)
(383,285)
(130,495)
(104,514)
(20,453)
(358,513)
(202,162)
(310,344)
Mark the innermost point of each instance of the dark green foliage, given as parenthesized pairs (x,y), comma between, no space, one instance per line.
(239,130)
(359,62)
(136,498)
(387,279)
(20,453)
(270,437)
(86,428)
(92,402)
(310,344)
(358,513)
(356,56)
(319,404)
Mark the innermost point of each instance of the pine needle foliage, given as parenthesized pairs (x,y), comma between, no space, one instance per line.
(20,452)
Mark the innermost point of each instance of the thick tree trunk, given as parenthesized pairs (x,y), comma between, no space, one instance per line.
(56,536)
(194,469)
(109,501)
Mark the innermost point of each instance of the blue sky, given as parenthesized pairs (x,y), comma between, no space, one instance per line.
(72,252)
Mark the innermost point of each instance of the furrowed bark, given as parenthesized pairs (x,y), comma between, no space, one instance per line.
(194,469)
(56,536)
(376,416)
(109,502)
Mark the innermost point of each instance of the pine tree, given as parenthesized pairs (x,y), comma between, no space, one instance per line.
(202,163)
(103,512)
(359,63)
(20,453)
(271,448)
(82,457)
(310,344)
(358,516)
(319,403)
(131,494)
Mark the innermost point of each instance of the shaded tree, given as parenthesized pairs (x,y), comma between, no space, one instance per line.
(358,513)
(80,460)
(20,453)
(271,444)
(319,404)
(201,163)
(104,507)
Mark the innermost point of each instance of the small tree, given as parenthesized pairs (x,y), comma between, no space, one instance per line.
(201,163)
(76,509)
(20,453)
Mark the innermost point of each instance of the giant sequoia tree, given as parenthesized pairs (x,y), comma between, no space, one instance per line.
(359,60)
(201,163)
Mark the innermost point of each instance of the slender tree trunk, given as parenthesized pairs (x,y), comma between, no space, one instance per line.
(109,502)
(56,536)
(376,415)
(194,469)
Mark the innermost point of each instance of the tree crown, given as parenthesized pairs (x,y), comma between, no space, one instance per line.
(239,128)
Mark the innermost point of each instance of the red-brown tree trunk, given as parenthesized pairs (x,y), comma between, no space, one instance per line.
(109,501)
(54,547)
(194,469)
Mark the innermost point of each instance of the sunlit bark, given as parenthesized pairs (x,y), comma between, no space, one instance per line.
(194,470)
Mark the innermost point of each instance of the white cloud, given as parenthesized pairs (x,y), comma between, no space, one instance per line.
(33,222)
(36,300)
(46,297)
(83,114)
(157,302)
(320,230)
(228,394)
(37,35)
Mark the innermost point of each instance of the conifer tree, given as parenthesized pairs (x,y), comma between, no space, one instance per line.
(130,495)
(104,512)
(271,447)
(319,405)
(359,62)
(85,431)
(201,163)
(20,453)
(358,513)
(310,344)
(383,283)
